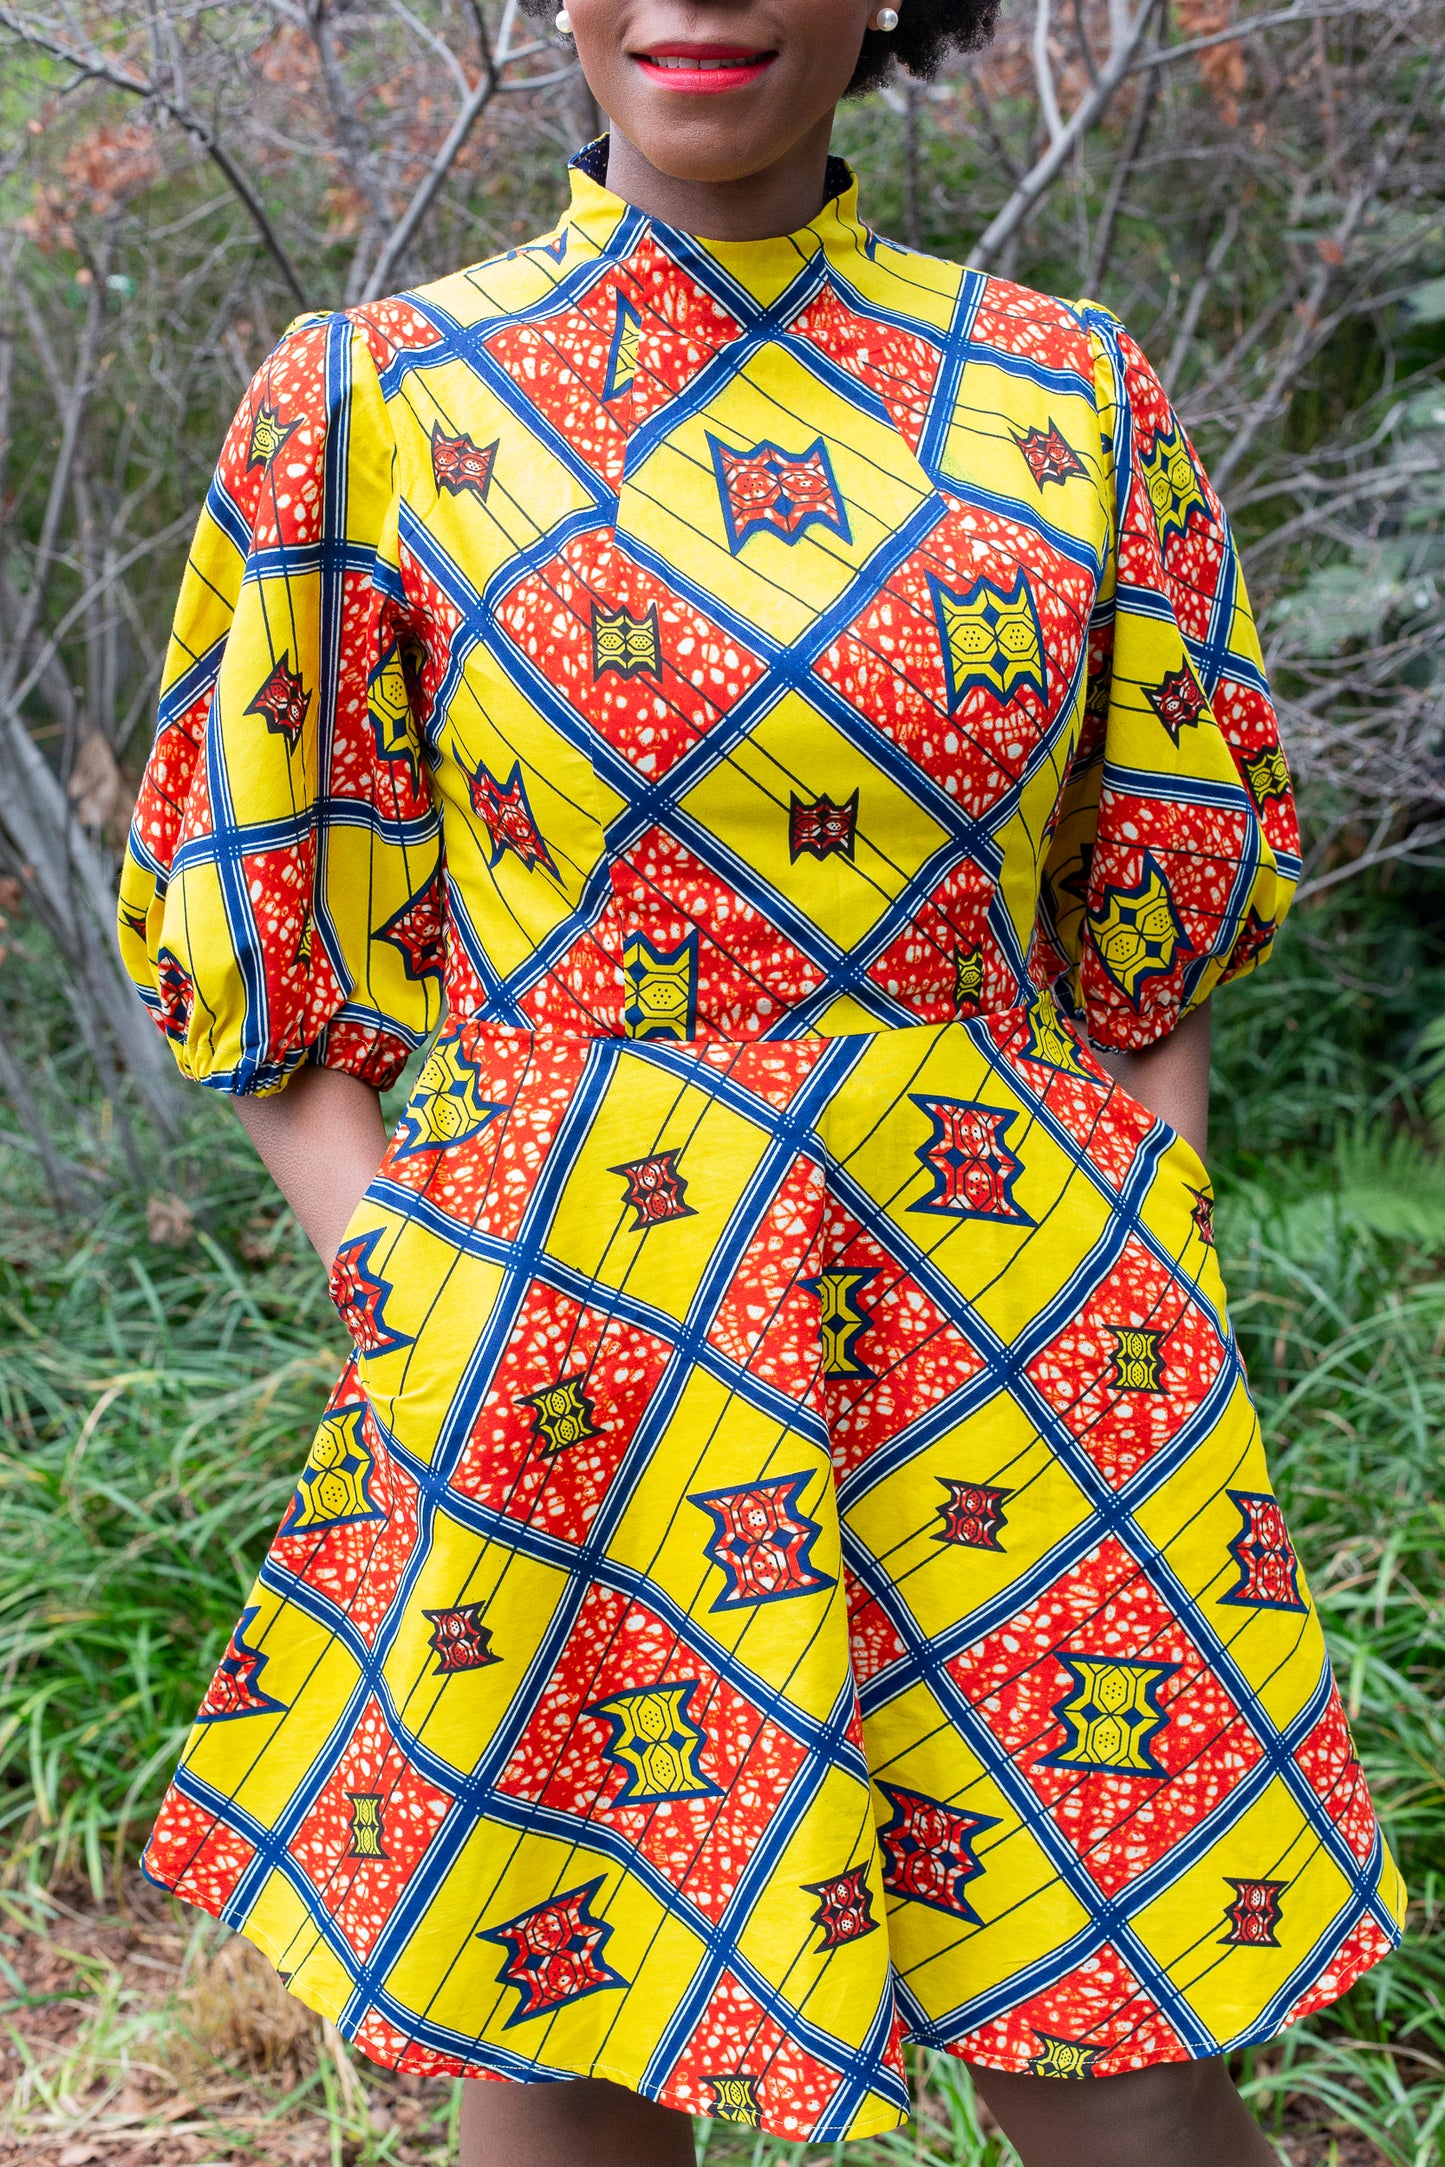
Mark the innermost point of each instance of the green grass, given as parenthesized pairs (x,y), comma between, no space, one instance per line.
(155,1403)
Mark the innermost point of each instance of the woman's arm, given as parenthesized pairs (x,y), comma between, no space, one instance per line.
(322,1140)
(1172,1078)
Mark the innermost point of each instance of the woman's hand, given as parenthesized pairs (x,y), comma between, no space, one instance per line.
(322,1140)
(1172,1078)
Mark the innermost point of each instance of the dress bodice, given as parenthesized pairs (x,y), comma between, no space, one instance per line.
(648,636)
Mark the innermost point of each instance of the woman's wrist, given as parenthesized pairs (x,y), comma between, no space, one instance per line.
(322,1140)
(1171,1078)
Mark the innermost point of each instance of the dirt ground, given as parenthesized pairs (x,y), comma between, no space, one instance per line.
(145,2040)
(137,2038)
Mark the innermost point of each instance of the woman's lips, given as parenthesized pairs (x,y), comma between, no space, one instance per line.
(704,67)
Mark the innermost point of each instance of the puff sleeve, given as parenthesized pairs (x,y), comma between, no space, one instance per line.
(280,901)
(1176,847)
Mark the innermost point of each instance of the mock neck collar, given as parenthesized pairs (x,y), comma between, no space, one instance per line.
(763,268)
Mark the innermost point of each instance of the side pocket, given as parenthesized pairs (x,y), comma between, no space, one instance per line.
(1178,1149)
(357,1288)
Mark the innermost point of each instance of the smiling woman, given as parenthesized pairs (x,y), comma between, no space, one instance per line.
(790,1566)
(744,99)
(919,37)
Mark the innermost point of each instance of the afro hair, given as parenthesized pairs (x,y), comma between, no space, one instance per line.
(926,32)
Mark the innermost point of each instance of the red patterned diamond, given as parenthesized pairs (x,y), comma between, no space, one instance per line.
(361,1857)
(1097,2021)
(1022,1676)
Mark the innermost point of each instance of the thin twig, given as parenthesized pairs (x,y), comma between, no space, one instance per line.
(394,247)
(96,68)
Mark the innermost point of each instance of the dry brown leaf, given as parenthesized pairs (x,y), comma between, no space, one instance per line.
(170,1222)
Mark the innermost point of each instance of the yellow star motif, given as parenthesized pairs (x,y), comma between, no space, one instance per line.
(1137,1360)
(445,1108)
(992,640)
(735,2099)
(661,988)
(626,644)
(1172,480)
(562,1413)
(841,1322)
(366,1825)
(268,434)
(1112,1715)
(389,706)
(658,1743)
(968,977)
(1063,2058)
(1048,1041)
(335,1484)
(1267,774)
(1136,934)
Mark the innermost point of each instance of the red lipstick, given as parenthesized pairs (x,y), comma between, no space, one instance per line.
(696,68)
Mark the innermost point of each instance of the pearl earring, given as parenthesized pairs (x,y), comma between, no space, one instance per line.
(886,20)
(564,23)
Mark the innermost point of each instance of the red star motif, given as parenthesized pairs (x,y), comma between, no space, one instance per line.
(458,464)
(1179,701)
(1048,456)
(507,817)
(236,1689)
(655,1190)
(974,1514)
(822,828)
(845,1907)
(1254,1914)
(554,1952)
(283,701)
(177,995)
(771,490)
(460,1639)
(418,930)
(361,1296)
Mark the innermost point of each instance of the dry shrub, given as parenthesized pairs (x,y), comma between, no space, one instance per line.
(99,174)
(1221,66)
(236,2013)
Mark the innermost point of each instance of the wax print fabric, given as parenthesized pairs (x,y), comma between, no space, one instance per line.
(789,1566)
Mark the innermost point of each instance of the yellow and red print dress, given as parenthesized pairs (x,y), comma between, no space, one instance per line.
(789,1567)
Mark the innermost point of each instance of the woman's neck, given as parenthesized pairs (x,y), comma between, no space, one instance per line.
(782,198)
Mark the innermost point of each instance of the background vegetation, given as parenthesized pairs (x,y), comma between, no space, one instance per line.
(1260,193)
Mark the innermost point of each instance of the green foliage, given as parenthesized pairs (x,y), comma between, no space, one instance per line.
(1432,1073)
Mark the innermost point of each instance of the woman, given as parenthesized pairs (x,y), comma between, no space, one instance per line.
(789,1567)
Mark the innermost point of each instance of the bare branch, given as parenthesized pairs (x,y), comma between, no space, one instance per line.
(1046,169)
(1044,73)
(494,62)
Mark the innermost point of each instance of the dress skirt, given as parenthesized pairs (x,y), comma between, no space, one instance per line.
(790,1568)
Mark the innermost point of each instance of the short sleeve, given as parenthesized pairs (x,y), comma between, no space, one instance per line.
(280,902)
(1176,847)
